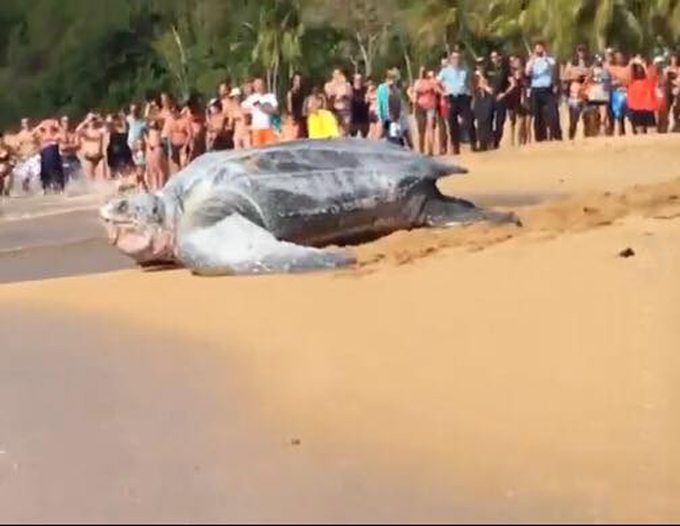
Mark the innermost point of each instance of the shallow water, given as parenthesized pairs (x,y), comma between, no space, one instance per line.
(54,236)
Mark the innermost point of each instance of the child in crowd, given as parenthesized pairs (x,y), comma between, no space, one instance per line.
(136,179)
(289,131)
(139,160)
(321,123)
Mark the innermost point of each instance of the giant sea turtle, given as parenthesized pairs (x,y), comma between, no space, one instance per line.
(275,208)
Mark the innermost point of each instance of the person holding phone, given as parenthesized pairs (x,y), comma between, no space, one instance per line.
(542,75)
(455,82)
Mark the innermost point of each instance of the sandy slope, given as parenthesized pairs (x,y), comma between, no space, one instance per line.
(528,373)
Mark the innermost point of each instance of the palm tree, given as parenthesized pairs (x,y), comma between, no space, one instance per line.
(278,43)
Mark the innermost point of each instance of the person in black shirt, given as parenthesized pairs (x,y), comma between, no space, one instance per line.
(498,76)
(483,107)
(360,120)
(295,102)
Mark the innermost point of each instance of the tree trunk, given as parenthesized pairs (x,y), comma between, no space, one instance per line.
(355,64)
(409,68)
(365,53)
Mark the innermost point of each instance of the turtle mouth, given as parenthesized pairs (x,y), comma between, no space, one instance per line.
(145,244)
(115,229)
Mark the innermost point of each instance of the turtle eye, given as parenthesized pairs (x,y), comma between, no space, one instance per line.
(122,207)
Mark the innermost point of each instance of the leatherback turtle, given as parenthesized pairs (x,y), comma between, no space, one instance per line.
(275,208)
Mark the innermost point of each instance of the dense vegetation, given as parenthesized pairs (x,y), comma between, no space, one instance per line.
(72,55)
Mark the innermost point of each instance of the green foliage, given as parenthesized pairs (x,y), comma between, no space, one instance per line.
(74,55)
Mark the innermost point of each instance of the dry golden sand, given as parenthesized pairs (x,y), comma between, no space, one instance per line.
(531,368)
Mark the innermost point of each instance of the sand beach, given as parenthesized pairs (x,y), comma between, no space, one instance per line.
(473,374)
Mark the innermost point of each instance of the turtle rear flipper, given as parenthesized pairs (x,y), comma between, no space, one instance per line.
(236,245)
(442,211)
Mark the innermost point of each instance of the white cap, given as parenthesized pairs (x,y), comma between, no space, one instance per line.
(235,92)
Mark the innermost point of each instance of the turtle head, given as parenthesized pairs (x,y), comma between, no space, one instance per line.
(137,226)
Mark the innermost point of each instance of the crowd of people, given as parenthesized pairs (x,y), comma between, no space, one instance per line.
(456,104)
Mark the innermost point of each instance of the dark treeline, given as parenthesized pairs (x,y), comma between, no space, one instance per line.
(69,56)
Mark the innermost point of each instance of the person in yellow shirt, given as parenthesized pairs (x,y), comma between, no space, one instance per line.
(321,123)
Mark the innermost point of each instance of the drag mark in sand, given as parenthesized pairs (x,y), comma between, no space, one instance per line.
(543,221)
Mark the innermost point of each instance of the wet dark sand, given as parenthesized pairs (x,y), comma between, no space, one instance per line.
(57,245)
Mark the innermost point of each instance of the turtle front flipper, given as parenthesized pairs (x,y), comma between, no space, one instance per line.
(236,245)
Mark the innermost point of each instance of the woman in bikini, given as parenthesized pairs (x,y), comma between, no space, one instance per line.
(92,137)
(237,120)
(156,160)
(424,96)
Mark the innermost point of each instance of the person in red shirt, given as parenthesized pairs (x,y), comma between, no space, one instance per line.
(425,98)
(642,99)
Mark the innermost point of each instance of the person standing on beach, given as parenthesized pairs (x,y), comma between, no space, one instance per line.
(218,138)
(295,99)
(483,107)
(576,74)
(224,93)
(541,70)
(93,137)
(598,95)
(136,126)
(339,96)
(642,99)
(176,133)
(68,146)
(27,141)
(672,75)
(498,74)
(425,101)
(51,165)
(321,123)
(456,83)
(118,152)
(391,110)
(193,112)
(619,75)
(156,160)
(238,120)
(359,117)
(374,127)
(6,167)
(262,106)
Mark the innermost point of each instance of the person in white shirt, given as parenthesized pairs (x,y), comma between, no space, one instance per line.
(261,106)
